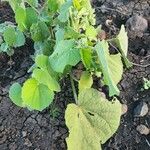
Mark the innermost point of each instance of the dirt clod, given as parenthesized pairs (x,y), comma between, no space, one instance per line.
(137,25)
(142,129)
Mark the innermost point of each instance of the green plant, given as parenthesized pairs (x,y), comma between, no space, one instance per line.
(10,38)
(146,84)
(64,35)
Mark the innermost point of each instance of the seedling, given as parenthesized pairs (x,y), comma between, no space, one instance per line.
(64,35)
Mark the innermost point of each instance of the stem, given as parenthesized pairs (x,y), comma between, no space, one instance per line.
(74,90)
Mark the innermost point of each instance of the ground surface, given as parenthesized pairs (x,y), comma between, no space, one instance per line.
(21,129)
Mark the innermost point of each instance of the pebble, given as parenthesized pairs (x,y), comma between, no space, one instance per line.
(141,110)
(28,142)
(142,129)
(124,109)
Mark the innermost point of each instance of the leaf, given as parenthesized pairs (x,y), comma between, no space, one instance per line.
(122,41)
(31,17)
(20,39)
(10,36)
(86,81)
(39,31)
(35,95)
(64,11)
(112,69)
(43,77)
(20,17)
(15,94)
(93,121)
(86,57)
(91,33)
(64,54)
(76,4)
(4,47)
(53,5)
(33,3)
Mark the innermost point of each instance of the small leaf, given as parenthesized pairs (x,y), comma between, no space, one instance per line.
(91,33)
(86,81)
(93,121)
(122,41)
(112,69)
(20,17)
(20,39)
(31,17)
(10,36)
(64,11)
(43,77)
(35,95)
(15,94)
(86,57)
(64,54)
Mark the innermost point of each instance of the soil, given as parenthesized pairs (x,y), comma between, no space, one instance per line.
(46,130)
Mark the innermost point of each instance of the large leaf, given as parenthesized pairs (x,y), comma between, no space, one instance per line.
(111,65)
(93,121)
(65,54)
(35,95)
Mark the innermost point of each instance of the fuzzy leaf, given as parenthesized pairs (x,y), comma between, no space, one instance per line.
(35,95)
(111,65)
(64,54)
(93,121)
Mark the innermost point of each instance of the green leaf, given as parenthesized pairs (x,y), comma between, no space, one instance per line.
(76,4)
(39,31)
(111,65)
(4,47)
(86,57)
(33,3)
(15,94)
(93,121)
(64,11)
(53,5)
(91,33)
(86,81)
(31,17)
(20,39)
(64,54)
(10,36)
(122,41)
(35,95)
(20,17)
(43,77)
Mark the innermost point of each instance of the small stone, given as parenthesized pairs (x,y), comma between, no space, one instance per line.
(27,142)
(124,109)
(141,110)
(142,129)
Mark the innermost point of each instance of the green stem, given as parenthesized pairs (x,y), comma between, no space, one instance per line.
(74,90)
